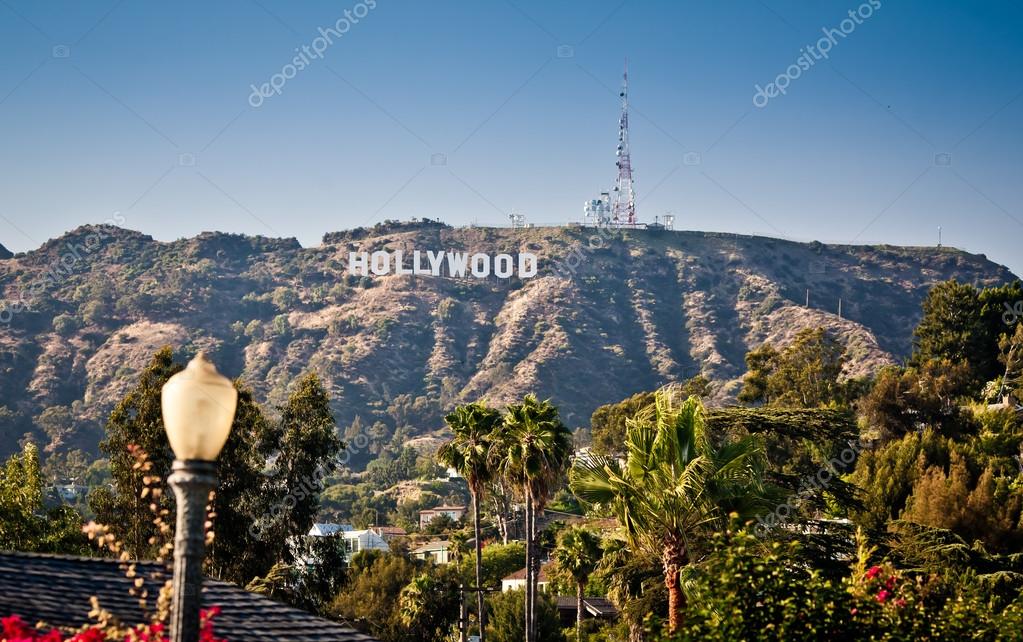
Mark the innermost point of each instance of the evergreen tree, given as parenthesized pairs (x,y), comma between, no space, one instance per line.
(137,420)
(244,495)
(304,445)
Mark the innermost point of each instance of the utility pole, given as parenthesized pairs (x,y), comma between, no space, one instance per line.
(839,308)
(463,615)
(807,297)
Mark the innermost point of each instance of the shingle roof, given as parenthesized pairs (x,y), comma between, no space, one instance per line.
(594,606)
(435,545)
(56,589)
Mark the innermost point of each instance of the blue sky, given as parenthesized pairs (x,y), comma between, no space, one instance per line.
(913,120)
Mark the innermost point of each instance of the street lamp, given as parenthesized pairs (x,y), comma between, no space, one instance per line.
(198,409)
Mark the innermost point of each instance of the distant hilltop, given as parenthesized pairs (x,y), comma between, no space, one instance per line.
(608,313)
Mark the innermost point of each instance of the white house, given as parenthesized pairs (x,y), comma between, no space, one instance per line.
(517,580)
(430,514)
(361,540)
(438,550)
(364,540)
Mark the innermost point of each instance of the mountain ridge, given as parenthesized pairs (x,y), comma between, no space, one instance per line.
(610,313)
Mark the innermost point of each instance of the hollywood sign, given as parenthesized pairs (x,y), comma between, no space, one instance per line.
(453,264)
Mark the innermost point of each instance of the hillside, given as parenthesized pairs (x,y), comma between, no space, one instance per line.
(641,309)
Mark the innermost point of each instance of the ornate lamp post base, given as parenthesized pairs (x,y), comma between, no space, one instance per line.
(192,480)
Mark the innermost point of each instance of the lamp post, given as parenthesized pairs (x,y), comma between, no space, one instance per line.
(198,409)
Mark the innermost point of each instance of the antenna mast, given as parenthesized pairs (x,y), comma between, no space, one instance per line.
(623,211)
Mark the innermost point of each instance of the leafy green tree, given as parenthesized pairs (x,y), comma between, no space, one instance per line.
(535,448)
(252,521)
(952,326)
(677,481)
(760,365)
(888,473)
(24,523)
(746,590)
(905,400)
(635,583)
(303,445)
(418,604)
(963,325)
(471,453)
(244,495)
(578,553)
(1011,356)
(607,424)
(137,420)
(499,561)
(805,374)
(507,618)
(987,507)
(371,600)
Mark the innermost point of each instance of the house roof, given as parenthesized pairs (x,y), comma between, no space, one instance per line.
(443,507)
(56,589)
(328,528)
(595,606)
(389,530)
(521,574)
(435,545)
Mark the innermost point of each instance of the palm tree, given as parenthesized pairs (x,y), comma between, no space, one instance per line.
(632,578)
(534,452)
(470,452)
(578,554)
(674,484)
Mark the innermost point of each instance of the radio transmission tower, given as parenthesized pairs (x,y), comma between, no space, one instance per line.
(623,211)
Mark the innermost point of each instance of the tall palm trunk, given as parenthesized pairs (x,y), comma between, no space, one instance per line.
(479,565)
(673,558)
(580,588)
(529,571)
(535,565)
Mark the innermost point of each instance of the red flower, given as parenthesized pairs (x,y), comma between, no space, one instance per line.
(14,627)
(873,571)
(882,596)
(890,582)
(89,635)
(900,602)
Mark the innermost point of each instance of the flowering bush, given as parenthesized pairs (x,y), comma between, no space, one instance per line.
(14,629)
(758,591)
